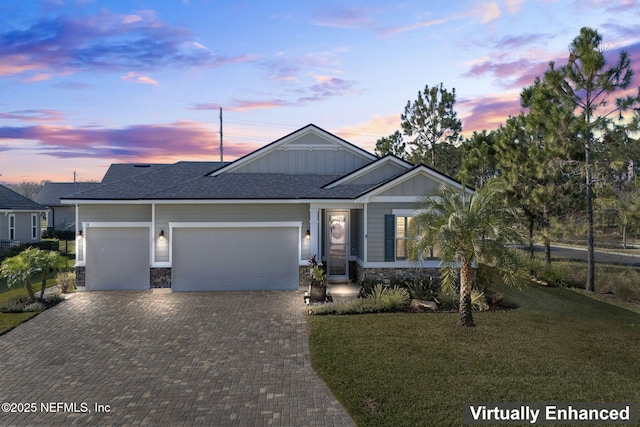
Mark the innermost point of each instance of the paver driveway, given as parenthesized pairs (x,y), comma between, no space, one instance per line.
(218,358)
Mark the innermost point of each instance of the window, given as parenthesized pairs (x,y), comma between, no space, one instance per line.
(397,236)
(12,227)
(403,224)
(34,226)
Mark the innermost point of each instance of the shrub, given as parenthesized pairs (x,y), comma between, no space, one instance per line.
(424,288)
(14,304)
(66,281)
(395,298)
(366,287)
(449,301)
(22,304)
(33,307)
(380,300)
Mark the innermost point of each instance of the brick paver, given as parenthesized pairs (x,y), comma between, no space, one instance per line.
(218,358)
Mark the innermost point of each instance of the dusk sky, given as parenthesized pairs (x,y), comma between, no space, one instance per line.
(84,83)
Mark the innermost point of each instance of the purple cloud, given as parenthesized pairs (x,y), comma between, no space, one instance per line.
(103,42)
(34,115)
(182,139)
(488,113)
(357,18)
(325,87)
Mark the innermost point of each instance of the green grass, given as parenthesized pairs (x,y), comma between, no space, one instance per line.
(9,321)
(405,369)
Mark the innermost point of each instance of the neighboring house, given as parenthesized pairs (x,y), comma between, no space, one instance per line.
(19,219)
(254,223)
(60,216)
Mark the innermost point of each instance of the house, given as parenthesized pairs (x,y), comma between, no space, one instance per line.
(253,223)
(19,219)
(60,217)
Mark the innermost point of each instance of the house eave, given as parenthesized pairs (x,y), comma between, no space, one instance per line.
(211,201)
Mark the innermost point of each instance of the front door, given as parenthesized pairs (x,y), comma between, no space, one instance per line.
(337,226)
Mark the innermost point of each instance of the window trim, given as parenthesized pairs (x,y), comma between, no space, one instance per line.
(34,226)
(12,227)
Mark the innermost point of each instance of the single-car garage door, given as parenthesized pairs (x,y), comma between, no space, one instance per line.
(239,258)
(117,258)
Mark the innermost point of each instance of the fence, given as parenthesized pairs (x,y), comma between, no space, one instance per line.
(9,249)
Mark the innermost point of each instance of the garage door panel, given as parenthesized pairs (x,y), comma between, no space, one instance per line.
(235,258)
(117,258)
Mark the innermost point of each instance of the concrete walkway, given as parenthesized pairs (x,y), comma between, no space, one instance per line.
(144,358)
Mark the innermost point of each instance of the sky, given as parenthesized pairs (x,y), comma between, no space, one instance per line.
(87,83)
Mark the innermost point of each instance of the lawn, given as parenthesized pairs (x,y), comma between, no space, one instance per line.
(415,369)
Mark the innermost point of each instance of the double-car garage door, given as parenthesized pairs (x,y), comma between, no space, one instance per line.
(235,258)
(203,258)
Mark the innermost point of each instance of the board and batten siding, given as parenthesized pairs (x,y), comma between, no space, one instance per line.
(375,227)
(227,213)
(418,185)
(300,161)
(377,175)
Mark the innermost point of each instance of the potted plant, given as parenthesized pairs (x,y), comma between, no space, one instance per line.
(318,285)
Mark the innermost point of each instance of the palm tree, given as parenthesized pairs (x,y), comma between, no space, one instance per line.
(465,228)
(19,269)
(47,262)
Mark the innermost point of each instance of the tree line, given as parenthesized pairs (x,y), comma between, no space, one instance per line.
(570,158)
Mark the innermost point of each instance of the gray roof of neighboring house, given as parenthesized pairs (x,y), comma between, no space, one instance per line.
(51,192)
(155,179)
(118,171)
(10,200)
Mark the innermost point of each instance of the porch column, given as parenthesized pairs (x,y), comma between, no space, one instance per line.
(314,228)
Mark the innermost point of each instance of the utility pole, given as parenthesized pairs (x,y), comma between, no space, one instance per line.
(221,149)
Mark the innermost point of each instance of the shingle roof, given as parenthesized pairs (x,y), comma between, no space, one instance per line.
(51,192)
(11,200)
(156,179)
(247,186)
(118,171)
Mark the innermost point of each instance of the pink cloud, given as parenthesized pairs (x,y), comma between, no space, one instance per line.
(34,115)
(104,42)
(489,112)
(183,140)
(138,78)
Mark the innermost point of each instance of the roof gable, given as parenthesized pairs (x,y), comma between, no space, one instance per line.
(374,173)
(309,150)
(416,182)
(10,200)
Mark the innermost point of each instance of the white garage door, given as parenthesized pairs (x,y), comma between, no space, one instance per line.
(117,258)
(206,259)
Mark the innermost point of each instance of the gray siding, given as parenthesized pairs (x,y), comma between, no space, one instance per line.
(298,161)
(115,213)
(377,175)
(62,218)
(375,227)
(22,227)
(419,185)
(227,213)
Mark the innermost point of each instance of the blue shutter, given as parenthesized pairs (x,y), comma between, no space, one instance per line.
(389,238)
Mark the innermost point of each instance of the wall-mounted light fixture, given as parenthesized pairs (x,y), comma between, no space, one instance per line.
(161,236)
(308,235)
(79,234)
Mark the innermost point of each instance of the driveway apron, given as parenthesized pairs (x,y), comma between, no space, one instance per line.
(140,358)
